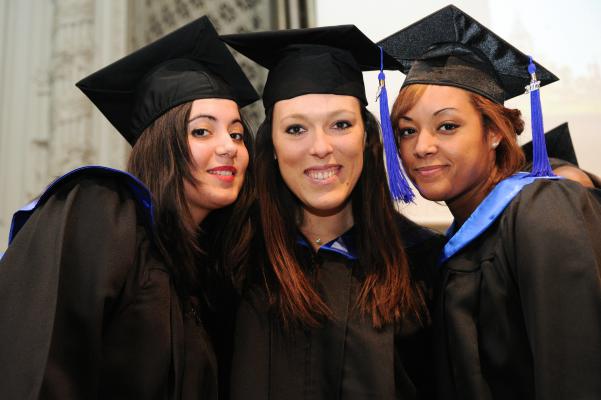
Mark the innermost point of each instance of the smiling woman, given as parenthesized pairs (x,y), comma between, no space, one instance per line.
(518,315)
(113,281)
(336,304)
(219,157)
(319,140)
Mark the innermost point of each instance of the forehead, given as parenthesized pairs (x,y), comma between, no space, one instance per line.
(436,97)
(218,108)
(315,105)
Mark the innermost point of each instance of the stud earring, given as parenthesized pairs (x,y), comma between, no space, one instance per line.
(495,144)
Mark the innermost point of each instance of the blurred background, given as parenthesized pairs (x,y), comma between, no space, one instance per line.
(47,127)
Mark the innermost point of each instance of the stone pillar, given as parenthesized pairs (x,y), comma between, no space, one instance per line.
(47,126)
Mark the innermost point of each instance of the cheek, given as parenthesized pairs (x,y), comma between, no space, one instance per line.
(406,153)
(243,158)
(353,151)
(200,154)
(290,153)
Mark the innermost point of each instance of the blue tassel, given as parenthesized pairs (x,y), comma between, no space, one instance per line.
(397,182)
(540,160)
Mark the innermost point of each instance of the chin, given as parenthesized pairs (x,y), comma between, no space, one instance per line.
(325,206)
(221,201)
(433,193)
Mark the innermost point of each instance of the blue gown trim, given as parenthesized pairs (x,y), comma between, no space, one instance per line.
(343,245)
(487,212)
(139,190)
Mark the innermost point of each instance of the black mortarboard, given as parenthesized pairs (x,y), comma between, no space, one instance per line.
(451,48)
(326,60)
(559,145)
(187,64)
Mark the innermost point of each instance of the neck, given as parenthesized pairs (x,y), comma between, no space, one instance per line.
(463,205)
(198,215)
(323,227)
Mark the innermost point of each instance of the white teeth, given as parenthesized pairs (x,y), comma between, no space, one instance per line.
(322,175)
(223,173)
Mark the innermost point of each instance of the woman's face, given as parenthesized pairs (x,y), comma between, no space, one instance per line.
(443,144)
(318,141)
(219,156)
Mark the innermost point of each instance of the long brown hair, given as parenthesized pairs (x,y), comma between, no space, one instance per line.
(161,159)
(387,293)
(505,121)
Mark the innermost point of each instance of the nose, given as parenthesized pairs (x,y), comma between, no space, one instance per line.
(426,144)
(227,147)
(321,146)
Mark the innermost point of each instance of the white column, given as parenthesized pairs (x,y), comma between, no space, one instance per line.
(24,125)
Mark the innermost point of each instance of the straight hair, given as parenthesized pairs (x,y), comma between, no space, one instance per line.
(194,253)
(387,293)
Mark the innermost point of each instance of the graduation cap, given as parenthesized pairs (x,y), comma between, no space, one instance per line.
(188,64)
(451,48)
(559,145)
(323,60)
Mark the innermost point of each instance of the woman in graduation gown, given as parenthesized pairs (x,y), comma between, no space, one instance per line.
(336,304)
(104,287)
(519,313)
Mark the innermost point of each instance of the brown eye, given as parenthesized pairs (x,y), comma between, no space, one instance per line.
(405,132)
(199,132)
(295,129)
(342,125)
(237,137)
(448,126)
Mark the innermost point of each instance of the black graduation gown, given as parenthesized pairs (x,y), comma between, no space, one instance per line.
(519,316)
(88,309)
(344,358)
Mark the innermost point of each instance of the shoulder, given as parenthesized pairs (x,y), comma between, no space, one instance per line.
(552,195)
(90,188)
(97,178)
(550,206)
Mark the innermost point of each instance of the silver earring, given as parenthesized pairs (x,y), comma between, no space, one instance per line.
(495,144)
(275,156)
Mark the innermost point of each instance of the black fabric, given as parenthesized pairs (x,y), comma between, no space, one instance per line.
(187,64)
(344,358)
(451,48)
(519,316)
(324,60)
(89,310)
(559,145)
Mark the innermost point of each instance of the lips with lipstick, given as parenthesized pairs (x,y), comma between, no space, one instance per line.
(324,173)
(225,173)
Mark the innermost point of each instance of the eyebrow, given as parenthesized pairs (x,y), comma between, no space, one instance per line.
(444,109)
(329,115)
(212,118)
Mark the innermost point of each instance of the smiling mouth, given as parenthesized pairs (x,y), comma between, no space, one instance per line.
(224,173)
(429,170)
(323,174)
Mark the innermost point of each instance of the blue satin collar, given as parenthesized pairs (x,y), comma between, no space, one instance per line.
(139,190)
(343,245)
(487,212)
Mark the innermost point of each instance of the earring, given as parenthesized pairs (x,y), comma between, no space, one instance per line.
(495,144)
(275,156)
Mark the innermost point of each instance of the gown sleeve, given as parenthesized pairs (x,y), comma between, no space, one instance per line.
(555,248)
(59,280)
